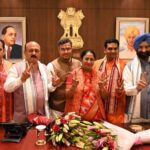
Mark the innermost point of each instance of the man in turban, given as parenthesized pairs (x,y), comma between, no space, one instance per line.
(136,77)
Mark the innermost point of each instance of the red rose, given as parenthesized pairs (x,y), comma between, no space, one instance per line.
(71,117)
(55,128)
(111,144)
(98,131)
(64,121)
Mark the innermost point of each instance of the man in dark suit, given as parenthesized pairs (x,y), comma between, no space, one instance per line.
(13,51)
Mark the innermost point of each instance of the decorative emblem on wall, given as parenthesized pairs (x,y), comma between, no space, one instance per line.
(71,22)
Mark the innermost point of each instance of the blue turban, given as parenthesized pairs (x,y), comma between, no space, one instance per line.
(141,38)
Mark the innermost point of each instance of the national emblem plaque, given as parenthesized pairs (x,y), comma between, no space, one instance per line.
(71,22)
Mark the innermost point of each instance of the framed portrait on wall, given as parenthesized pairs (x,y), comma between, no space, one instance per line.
(13,32)
(127,29)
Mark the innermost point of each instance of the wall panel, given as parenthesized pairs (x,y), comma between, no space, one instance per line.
(98,24)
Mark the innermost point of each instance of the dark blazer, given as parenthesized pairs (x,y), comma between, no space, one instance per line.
(16,52)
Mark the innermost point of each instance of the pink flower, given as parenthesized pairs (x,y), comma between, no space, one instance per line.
(90,138)
(138,141)
(111,143)
(94,142)
(99,143)
(105,131)
(55,128)
(92,127)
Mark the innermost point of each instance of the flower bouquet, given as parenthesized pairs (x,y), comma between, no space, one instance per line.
(71,130)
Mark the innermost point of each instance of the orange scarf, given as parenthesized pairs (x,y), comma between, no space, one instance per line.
(114,104)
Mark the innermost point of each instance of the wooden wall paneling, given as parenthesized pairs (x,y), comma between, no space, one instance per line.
(13,4)
(105,30)
(54,32)
(36,23)
(90,34)
(98,24)
(147,14)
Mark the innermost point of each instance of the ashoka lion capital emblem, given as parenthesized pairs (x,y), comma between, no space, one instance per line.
(71,22)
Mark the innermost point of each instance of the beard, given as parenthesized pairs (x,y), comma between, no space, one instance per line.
(143,55)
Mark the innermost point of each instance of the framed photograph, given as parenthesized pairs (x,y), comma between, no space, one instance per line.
(13,32)
(127,29)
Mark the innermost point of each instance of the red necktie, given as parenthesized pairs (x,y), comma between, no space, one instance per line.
(8,53)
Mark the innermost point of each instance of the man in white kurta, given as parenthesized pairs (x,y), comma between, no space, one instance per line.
(29,82)
(136,77)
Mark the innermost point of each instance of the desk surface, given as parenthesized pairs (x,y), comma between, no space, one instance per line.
(28,143)
(145,126)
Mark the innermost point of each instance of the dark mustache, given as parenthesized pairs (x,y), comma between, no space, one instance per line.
(33,56)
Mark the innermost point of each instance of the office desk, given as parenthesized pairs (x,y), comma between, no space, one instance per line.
(28,143)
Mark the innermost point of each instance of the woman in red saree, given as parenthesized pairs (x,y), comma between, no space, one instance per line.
(6,109)
(82,90)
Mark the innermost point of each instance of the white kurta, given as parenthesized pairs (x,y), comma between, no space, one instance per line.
(13,82)
(131,75)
